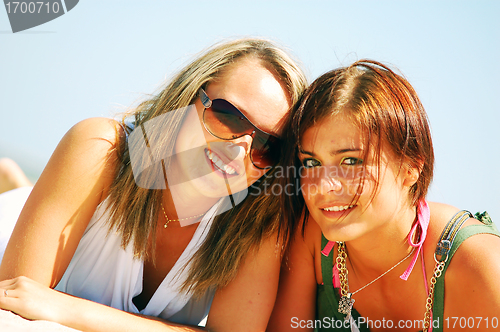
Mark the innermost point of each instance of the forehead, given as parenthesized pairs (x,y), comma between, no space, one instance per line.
(255,91)
(331,134)
(337,133)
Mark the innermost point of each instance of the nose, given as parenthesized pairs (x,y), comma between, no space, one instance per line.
(329,184)
(243,143)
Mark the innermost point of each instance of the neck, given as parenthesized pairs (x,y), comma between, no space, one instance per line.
(184,206)
(378,250)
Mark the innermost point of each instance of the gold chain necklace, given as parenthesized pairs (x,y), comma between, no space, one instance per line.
(169,220)
(438,269)
(346,301)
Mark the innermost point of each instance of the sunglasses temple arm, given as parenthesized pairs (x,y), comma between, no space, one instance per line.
(204,98)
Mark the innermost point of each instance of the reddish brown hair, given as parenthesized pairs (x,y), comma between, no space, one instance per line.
(386,109)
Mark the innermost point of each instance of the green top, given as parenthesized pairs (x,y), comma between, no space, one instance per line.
(327,316)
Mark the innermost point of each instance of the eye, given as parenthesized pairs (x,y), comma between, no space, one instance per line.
(350,161)
(310,162)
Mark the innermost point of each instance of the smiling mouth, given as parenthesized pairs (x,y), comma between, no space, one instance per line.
(219,164)
(338,208)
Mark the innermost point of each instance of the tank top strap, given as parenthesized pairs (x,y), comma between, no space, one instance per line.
(488,227)
(326,261)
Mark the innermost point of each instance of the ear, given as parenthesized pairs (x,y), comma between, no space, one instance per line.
(411,173)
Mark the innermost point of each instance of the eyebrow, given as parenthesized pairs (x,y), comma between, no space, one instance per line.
(334,152)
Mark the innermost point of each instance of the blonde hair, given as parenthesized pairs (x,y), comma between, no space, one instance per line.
(134,210)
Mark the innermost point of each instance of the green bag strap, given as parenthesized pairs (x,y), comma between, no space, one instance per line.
(460,236)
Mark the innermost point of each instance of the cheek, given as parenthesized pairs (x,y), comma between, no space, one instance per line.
(253,174)
(365,183)
(391,191)
(388,191)
(309,186)
(192,133)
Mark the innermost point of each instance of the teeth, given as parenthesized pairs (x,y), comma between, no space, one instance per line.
(229,170)
(338,208)
(223,167)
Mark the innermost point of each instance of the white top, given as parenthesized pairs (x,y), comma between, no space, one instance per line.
(102,271)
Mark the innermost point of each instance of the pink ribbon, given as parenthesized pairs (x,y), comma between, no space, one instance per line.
(329,246)
(423,217)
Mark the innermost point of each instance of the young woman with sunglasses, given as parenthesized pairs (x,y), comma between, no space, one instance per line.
(131,215)
(369,252)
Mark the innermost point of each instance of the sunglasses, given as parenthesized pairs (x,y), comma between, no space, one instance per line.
(223,120)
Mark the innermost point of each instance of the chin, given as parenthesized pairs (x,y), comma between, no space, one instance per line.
(341,229)
(335,234)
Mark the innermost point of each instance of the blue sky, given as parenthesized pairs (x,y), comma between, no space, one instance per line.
(102,56)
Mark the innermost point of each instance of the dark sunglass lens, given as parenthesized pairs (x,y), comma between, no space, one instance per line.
(265,150)
(225,121)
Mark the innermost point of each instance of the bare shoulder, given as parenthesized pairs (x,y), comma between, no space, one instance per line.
(305,243)
(472,274)
(304,252)
(472,278)
(477,256)
(312,236)
(246,303)
(475,251)
(440,215)
(105,129)
(298,282)
(91,147)
(74,182)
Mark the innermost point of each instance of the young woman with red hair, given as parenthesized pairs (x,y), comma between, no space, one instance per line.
(370,253)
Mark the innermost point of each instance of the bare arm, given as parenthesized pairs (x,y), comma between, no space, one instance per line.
(296,299)
(34,301)
(246,303)
(472,286)
(61,204)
